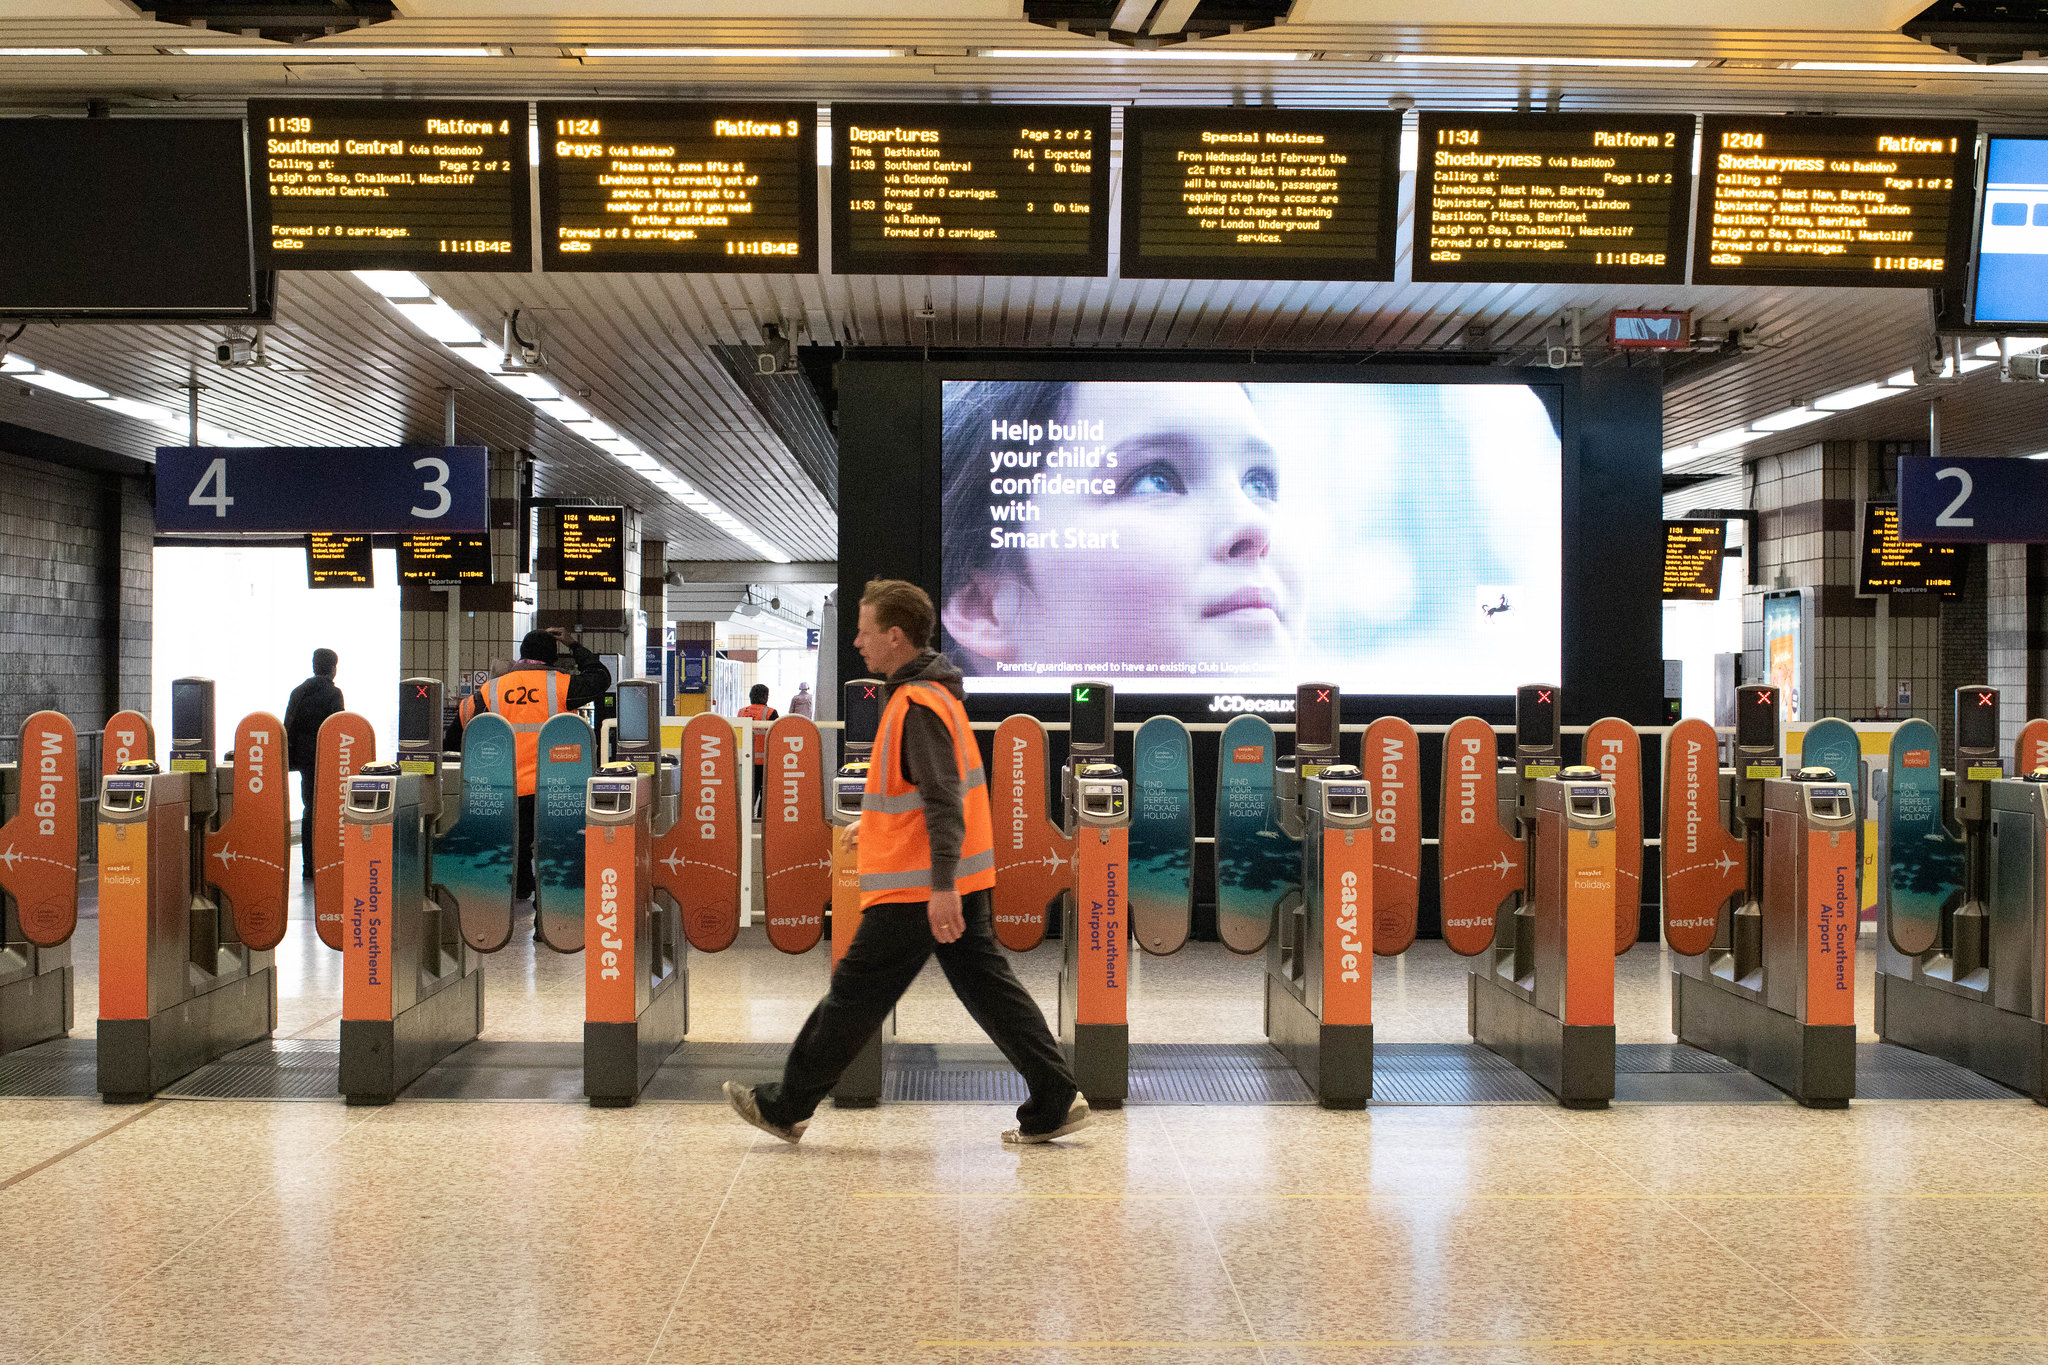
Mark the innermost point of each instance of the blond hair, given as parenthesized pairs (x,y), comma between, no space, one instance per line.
(903,605)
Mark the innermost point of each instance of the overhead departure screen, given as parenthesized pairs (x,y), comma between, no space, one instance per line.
(1553,198)
(339,561)
(1692,560)
(592,542)
(1834,201)
(679,187)
(1275,194)
(390,185)
(444,559)
(1891,565)
(954,189)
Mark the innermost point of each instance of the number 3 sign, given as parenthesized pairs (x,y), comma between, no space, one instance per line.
(322,488)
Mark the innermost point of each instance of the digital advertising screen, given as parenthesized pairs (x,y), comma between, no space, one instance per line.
(390,185)
(1260,193)
(970,189)
(1786,641)
(1834,201)
(1553,198)
(1891,565)
(651,186)
(2012,233)
(1177,537)
(1692,560)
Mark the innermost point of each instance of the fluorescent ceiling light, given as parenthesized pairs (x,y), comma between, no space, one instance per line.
(396,284)
(299,52)
(2022,345)
(1786,420)
(1957,68)
(14,364)
(1185,53)
(618,445)
(1487,59)
(1902,380)
(485,355)
(529,386)
(49,51)
(2042,455)
(441,322)
(1853,398)
(563,409)
(871,54)
(644,463)
(143,412)
(211,435)
(594,431)
(57,383)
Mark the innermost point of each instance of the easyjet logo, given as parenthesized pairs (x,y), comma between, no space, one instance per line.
(609,941)
(1347,925)
(1917,758)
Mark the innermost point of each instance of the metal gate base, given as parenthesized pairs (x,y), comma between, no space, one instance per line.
(60,1069)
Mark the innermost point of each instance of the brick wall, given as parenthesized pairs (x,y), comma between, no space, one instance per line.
(76,550)
(494,616)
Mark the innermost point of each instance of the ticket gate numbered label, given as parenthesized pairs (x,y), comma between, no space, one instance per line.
(616,862)
(1347,925)
(1704,865)
(1613,748)
(1831,866)
(1034,860)
(1482,862)
(366,959)
(346,743)
(1590,889)
(845,894)
(567,757)
(128,738)
(1392,760)
(796,839)
(1924,861)
(1162,836)
(697,863)
(1102,919)
(247,856)
(2032,750)
(39,846)
(473,857)
(124,877)
(1257,864)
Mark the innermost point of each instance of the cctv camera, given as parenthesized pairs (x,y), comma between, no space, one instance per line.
(775,602)
(238,353)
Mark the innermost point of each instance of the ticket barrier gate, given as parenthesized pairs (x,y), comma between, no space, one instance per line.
(38,882)
(1318,977)
(1771,986)
(1541,988)
(193,887)
(635,970)
(1963,959)
(412,988)
(1095,942)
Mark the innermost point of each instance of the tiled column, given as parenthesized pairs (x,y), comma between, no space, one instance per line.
(494,615)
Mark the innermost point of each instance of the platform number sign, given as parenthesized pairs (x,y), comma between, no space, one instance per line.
(1989,501)
(211,489)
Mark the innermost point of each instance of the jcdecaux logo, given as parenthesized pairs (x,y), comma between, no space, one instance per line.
(1256,706)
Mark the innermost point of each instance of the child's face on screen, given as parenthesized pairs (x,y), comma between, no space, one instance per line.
(1174,558)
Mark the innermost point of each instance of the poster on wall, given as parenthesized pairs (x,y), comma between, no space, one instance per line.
(1217,536)
(1788,638)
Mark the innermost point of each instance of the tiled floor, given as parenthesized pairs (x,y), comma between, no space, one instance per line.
(501,1233)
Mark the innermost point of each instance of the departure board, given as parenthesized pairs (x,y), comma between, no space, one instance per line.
(679,187)
(1553,198)
(444,559)
(970,189)
(339,561)
(390,185)
(591,542)
(1834,201)
(1904,566)
(1256,193)
(1692,560)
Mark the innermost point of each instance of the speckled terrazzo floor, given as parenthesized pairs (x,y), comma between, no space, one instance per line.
(222,1231)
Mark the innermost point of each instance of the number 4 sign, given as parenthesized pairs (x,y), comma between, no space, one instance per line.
(214,489)
(1980,500)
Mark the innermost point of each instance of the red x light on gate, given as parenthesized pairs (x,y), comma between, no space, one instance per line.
(1322,694)
(1984,698)
(1542,697)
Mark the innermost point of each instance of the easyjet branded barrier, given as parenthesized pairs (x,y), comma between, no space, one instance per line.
(346,743)
(192,878)
(635,973)
(1391,755)
(1614,751)
(1481,860)
(697,862)
(1034,857)
(796,836)
(1705,866)
(38,882)
(1096,956)
(1963,896)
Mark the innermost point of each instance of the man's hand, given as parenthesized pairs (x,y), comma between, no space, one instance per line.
(948,924)
(851,841)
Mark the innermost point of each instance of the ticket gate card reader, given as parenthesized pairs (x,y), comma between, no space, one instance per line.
(860,712)
(1319,964)
(636,1001)
(1963,953)
(412,990)
(179,986)
(38,882)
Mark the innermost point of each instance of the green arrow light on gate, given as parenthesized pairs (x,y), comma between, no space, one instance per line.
(1081,694)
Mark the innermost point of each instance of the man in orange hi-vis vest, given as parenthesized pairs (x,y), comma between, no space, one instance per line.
(926,849)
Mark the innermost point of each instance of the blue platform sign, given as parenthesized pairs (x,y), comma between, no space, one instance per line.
(222,489)
(1985,501)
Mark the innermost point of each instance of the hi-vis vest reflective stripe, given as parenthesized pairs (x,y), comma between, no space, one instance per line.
(760,715)
(527,699)
(895,850)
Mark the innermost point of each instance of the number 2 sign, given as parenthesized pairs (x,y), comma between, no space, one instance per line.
(1990,501)
(214,489)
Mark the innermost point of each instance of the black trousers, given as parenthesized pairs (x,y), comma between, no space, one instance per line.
(760,789)
(306,851)
(524,877)
(886,956)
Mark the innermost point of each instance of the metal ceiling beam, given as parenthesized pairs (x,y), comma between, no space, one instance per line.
(753,571)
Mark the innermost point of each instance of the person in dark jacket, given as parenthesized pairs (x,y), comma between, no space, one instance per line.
(312,702)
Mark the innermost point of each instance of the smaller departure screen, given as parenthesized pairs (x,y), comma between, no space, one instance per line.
(957,189)
(1536,719)
(720,187)
(1089,716)
(390,185)
(1253,193)
(339,561)
(592,545)
(1693,551)
(1891,565)
(1834,201)
(636,714)
(444,559)
(1553,198)
(1756,718)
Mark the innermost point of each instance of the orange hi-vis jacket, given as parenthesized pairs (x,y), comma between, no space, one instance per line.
(895,851)
(760,715)
(527,698)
